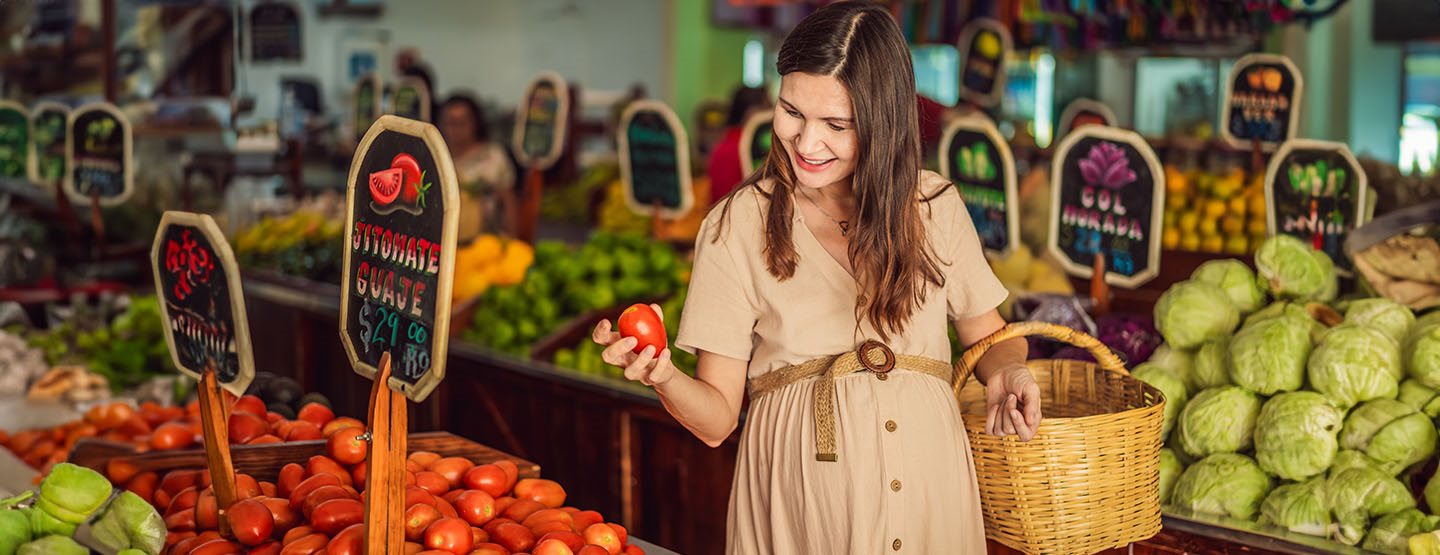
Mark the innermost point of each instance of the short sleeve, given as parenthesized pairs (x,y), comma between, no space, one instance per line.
(971,288)
(720,308)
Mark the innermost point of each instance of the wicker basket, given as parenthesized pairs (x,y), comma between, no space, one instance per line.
(1090,479)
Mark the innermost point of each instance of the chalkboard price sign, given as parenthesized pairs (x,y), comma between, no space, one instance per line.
(198,283)
(655,160)
(400,238)
(14,140)
(98,149)
(1316,191)
(541,121)
(985,43)
(1084,111)
(411,99)
(755,139)
(1262,101)
(1107,192)
(275,32)
(977,159)
(366,103)
(48,125)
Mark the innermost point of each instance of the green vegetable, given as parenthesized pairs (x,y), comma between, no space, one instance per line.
(1289,269)
(1392,532)
(1390,317)
(1224,484)
(72,493)
(1302,507)
(1425,544)
(1218,420)
(1193,312)
(1353,364)
(1390,432)
(1212,364)
(130,522)
(1350,458)
(1235,279)
(1294,310)
(1419,397)
(1173,388)
(1269,357)
(1295,436)
(1359,494)
(1178,362)
(14,529)
(44,524)
(53,545)
(1422,354)
(1170,471)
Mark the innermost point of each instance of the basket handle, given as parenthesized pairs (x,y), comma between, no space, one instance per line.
(1105,358)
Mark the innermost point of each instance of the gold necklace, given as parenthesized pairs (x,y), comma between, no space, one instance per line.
(844,224)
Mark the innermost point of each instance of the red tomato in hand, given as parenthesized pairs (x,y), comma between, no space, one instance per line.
(641,322)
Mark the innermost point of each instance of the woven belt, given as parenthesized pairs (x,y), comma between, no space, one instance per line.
(872,356)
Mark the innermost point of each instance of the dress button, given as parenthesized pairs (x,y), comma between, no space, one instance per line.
(890,425)
(895,545)
(895,485)
(882,376)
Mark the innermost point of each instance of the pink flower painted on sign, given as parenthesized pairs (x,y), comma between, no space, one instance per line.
(1106,166)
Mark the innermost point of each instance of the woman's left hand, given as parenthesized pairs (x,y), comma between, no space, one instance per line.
(1012,402)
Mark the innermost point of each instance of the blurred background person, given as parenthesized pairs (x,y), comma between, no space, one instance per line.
(483,168)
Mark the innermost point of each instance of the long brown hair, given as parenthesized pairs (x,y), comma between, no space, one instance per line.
(861,46)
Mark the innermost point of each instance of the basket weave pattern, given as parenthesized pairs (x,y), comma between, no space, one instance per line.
(1090,479)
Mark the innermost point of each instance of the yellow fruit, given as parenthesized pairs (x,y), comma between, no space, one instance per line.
(1050,282)
(1190,242)
(1176,183)
(1256,226)
(1189,221)
(1214,209)
(1212,243)
(1016,267)
(1256,203)
(1175,201)
(486,248)
(1237,245)
(1209,226)
(1237,205)
(1171,238)
(1232,225)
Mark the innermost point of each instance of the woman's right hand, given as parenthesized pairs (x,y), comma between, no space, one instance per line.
(647,367)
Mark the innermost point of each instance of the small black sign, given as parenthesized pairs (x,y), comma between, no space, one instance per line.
(543,116)
(1107,193)
(14,140)
(198,282)
(985,44)
(99,155)
(411,99)
(48,126)
(366,103)
(755,140)
(655,160)
(1316,191)
(978,161)
(275,32)
(1262,101)
(400,255)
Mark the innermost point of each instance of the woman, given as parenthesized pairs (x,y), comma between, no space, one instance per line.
(486,177)
(837,242)
(724,168)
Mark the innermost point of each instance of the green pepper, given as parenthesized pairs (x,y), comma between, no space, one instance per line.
(130,522)
(53,545)
(14,530)
(72,493)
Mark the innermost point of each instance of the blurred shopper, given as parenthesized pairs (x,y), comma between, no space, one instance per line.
(725,170)
(487,178)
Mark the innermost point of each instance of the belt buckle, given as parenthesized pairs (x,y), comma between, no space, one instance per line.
(864,355)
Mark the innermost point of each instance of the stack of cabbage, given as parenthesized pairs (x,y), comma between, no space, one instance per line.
(1292,422)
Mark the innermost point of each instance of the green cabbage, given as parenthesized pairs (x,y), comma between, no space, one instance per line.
(1170,470)
(1390,317)
(1422,354)
(1295,436)
(1193,312)
(1218,420)
(1174,389)
(1390,432)
(1391,534)
(1419,397)
(1289,269)
(1224,484)
(1212,364)
(1353,364)
(1269,357)
(1359,494)
(1178,362)
(1235,279)
(1350,458)
(1286,309)
(1302,507)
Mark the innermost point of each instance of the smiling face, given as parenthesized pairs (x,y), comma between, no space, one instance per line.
(815,121)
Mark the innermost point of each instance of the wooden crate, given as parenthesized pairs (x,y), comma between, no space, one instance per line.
(264,461)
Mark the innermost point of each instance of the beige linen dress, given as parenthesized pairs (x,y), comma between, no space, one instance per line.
(905,480)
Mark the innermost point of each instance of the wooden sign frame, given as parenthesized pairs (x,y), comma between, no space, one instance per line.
(747,135)
(562,122)
(1067,117)
(1157,204)
(1362,184)
(980,123)
(373,78)
(450,230)
(426,108)
(1225,109)
(33,170)
(231,269)
(682,159)
(1007,45)
(127,137)
(29,147)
